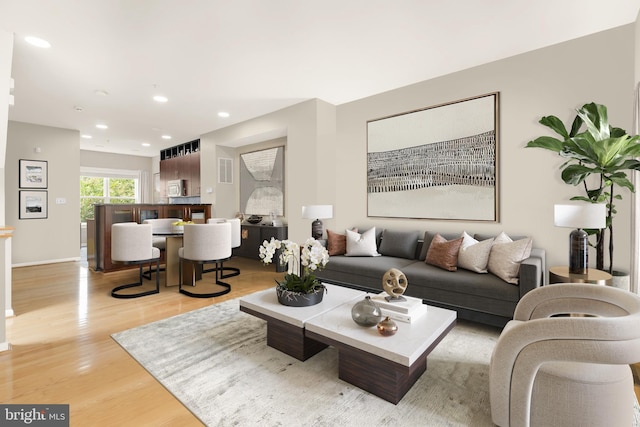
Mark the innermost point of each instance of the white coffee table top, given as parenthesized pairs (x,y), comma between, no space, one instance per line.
(266,302)
(405,347)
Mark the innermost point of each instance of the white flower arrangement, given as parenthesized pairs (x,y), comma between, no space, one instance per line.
(312,257)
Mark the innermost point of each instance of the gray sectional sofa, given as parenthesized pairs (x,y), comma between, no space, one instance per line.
(483,298)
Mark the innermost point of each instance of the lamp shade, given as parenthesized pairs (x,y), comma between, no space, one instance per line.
(580,215)
(317,211)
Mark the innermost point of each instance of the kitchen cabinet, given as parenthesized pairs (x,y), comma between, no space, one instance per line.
(181,162)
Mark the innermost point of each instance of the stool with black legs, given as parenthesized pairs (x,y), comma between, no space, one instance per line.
(132,243)
(205,244)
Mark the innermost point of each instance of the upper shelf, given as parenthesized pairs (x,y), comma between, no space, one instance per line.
(180,150)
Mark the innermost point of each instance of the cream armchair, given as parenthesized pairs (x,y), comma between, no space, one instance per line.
(567,370)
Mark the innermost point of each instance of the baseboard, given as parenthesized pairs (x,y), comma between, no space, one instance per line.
(44,262)
(9,312)
(5,346)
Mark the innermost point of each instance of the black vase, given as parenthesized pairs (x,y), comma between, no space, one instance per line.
(299,299)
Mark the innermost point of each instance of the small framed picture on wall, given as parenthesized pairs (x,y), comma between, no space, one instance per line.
(33,204)
(33,173)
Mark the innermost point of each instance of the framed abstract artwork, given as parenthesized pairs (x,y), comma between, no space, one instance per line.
(439,162)
(33,204)
(33,173)
(262,182)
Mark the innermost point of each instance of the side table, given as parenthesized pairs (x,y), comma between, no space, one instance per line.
(560,274)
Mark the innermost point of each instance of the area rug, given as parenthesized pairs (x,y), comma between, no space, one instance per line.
(216,362)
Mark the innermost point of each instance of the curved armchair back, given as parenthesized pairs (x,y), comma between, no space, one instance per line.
(207,242)
(132,242)
(235,229)
(161,224)
(605,332)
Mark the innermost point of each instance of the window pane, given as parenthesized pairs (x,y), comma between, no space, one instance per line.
(86,207)
(122,187)
(91,186)
(121,201)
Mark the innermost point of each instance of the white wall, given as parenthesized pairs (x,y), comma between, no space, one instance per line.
(326,159)
(118,161)
(305,153)
(555,80)
(6,55)
(56,238)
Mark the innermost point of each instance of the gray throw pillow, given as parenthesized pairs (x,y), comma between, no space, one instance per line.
(400,244)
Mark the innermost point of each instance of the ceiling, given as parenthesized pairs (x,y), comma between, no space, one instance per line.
(252,57)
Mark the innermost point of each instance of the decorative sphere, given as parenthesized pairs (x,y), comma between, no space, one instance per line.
(387,327)
(366,312)
(394,282)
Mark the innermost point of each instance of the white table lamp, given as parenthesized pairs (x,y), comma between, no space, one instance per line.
(579,216)
(317,212)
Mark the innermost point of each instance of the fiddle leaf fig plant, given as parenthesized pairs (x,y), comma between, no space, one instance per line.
(594,148)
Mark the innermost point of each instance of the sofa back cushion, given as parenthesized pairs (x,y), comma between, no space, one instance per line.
(400,244)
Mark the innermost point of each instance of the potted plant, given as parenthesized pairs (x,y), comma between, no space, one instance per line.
(300,286)
(598,150)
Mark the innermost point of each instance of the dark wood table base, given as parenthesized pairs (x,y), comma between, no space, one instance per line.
(288,338)
(379,376)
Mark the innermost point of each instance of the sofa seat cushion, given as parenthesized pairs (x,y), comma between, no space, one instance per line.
(369,269)
(460,281)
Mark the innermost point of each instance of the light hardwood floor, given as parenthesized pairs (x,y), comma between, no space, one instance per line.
(62,351)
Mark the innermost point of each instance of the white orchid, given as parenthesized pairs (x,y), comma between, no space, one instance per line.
(312,257)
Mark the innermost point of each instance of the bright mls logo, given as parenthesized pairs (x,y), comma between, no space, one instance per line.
(36,415)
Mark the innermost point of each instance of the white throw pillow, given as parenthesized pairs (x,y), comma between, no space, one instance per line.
(362,244)
(474,255)
(506,256)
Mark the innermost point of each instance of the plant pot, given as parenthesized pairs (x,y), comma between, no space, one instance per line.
(299,299)
(620,280)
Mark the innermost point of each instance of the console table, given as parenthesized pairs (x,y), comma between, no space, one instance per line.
(252,236)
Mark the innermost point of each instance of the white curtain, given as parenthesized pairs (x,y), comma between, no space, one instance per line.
(635,203)
(145,186)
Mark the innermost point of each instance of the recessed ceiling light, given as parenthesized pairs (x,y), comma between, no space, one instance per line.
(166,136)
(223,114)
(37,42)
(85,136)
(102,126)
(101,92)
(146,144)
(160,98)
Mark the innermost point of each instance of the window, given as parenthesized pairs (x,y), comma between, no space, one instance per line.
(98,186)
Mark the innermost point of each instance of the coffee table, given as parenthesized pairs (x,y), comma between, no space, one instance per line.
(285,325)
(384,366)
